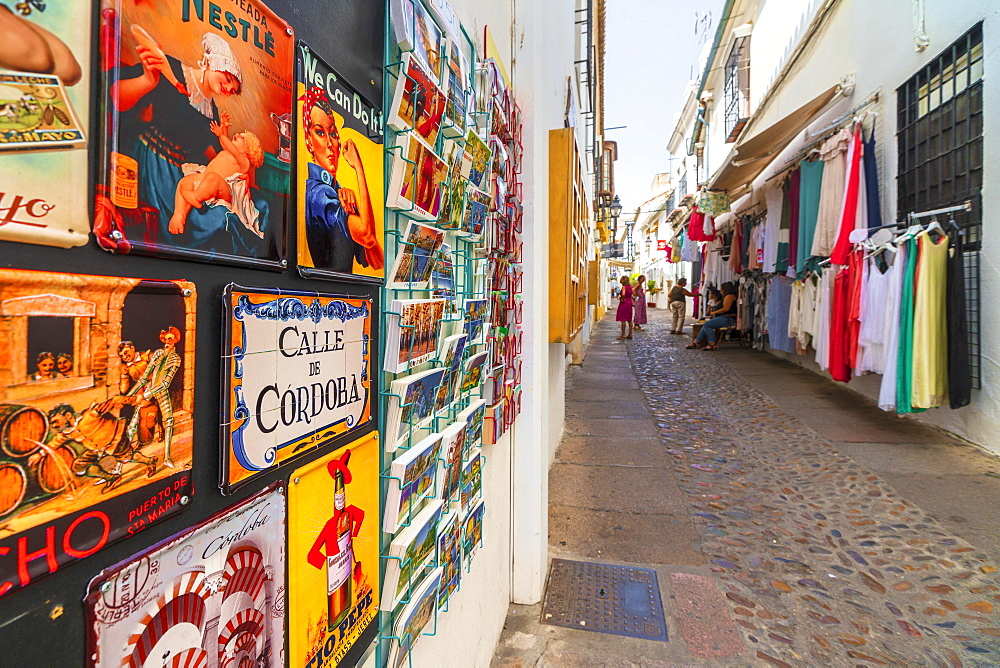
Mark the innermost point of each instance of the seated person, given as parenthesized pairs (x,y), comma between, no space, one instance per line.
(722,316)
(714,302)
(222,181)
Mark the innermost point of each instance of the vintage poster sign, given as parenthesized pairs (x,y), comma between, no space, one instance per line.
(213,595)
(96,400)
(196,154)
(297,369)
(341,220)
(333,553)
(44,105)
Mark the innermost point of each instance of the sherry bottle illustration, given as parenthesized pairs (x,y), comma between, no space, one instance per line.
(339,566)
(333,549)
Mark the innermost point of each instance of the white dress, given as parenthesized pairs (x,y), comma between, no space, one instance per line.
(774,200)
(824,305)
(871,339)
(890,330)
(795,310)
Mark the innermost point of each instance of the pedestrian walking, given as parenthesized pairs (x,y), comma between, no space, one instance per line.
(677,303)
(639,317)
(723,316)
(624,314)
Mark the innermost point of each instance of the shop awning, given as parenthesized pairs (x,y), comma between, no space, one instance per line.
(754,154)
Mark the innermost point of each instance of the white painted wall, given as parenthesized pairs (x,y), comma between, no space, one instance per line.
(539,42)
(874,40)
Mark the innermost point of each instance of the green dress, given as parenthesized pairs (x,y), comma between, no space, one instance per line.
(904,362)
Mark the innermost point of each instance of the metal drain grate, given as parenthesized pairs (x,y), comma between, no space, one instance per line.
(621,600)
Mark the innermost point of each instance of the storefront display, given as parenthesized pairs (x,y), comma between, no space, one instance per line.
(340,218)
(96,400)
(194,158)
(211,595)
(333,548)
(298,376)
(45,105)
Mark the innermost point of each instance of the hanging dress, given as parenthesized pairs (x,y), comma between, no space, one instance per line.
(824,304)
(930,324)
(871,339)
(807,322)
(904,360)
(792,192)
(849,209)
(831,200)
(873,203)
(810,187)
(840,369)
(890,332)
(959,372)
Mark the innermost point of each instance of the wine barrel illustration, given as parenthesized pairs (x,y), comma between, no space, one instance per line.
(22,428)
(53,469)
(13,485)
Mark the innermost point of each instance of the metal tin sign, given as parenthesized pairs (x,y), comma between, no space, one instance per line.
(333,553)
(297,371)
(196,154)
(341,220)
(96,400)
(213,595)
(44,105)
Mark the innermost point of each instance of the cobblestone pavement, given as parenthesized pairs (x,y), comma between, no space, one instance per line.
(821,561)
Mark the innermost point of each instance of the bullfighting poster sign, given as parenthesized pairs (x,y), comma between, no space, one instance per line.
(96,398)
(212,595)
(196,155)
(341,220)
(44,106)
(333,553)
(297,369)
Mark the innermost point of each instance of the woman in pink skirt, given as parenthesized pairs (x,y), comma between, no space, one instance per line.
(639,318)
(624,314)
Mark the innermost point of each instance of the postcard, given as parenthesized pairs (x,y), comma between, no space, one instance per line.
(417,179)
(418,104)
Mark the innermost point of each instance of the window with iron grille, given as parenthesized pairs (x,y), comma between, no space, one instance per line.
(940,144)
(737,88)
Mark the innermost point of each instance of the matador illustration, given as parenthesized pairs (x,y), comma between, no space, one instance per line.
(154,387)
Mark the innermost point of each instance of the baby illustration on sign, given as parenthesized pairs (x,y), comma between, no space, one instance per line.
(223,181)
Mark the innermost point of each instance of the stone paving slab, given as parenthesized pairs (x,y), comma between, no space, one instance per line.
(869,433)
(623,536)
(600,488)
(603,395)
(612,427)
(611,389)
(631,451)
(612,409)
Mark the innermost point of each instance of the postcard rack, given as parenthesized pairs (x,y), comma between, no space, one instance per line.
(452,309)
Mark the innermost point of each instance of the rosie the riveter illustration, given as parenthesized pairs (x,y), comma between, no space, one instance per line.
(340,224)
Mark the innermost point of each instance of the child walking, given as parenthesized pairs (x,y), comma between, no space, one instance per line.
(624,314)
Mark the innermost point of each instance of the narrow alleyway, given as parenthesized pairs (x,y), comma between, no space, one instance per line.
(790,522)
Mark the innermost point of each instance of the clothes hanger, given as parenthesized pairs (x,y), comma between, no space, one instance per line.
(935,227)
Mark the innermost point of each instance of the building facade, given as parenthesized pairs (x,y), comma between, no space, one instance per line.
(780,76)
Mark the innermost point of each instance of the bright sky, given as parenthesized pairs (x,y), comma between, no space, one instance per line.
(652,52)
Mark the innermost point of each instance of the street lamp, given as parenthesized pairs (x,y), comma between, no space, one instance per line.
(649,245)
(616,210)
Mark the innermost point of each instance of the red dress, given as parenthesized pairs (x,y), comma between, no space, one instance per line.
(624,313)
